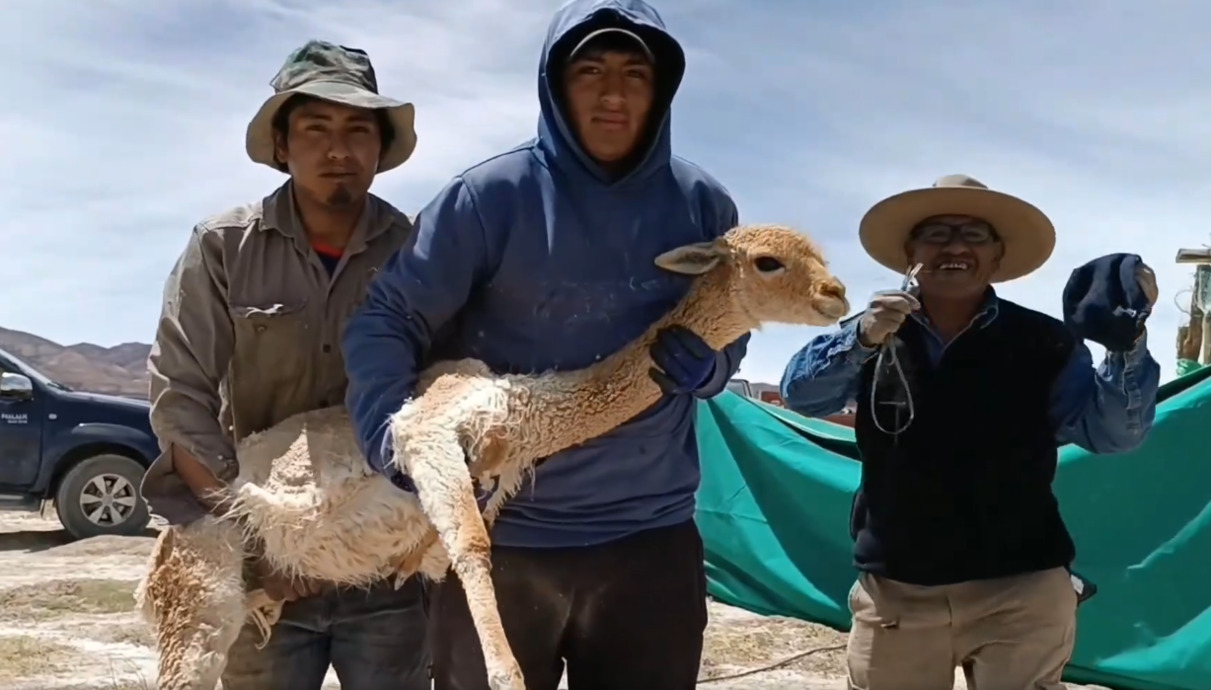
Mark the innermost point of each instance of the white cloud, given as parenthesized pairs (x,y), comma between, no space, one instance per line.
(123,124)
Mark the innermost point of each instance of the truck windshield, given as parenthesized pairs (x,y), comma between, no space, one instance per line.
(740,387)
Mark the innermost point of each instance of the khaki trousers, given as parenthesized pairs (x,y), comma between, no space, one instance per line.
(1013,633)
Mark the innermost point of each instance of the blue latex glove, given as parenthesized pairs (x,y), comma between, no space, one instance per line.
(686,363)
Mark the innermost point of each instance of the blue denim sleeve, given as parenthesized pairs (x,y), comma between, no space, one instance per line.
(822,378)
(421,288)
(1110,409)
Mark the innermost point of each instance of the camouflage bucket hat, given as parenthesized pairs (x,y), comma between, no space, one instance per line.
(340,75)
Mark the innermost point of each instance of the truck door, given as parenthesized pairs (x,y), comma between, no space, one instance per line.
(20,431)
(773,398)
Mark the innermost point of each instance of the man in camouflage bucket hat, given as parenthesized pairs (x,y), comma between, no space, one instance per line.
(339,75)
(249,334)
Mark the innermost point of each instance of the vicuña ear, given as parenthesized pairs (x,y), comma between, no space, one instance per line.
(692,259)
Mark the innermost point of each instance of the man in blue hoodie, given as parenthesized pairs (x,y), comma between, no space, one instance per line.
(542,258)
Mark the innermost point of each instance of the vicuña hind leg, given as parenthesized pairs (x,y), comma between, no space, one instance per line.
(436,464)
(193,595)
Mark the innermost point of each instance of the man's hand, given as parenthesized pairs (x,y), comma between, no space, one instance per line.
(1108,301)
(278,586)
(1146,277)
(685,361)
(884,316)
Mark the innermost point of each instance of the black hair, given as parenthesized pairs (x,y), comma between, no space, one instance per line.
(281,123)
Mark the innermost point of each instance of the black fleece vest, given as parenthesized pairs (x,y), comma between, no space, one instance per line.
(964,493)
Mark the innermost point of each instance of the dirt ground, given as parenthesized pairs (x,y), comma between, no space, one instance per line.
(67,623)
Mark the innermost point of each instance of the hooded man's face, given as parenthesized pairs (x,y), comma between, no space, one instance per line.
(608,97)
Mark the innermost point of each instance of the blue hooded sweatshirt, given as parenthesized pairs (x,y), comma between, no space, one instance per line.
(536,260)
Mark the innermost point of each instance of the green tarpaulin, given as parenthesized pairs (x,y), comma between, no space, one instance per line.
(774,510)
(1187,366)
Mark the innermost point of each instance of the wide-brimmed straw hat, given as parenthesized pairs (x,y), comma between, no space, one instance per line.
(1028,235)
(340,75)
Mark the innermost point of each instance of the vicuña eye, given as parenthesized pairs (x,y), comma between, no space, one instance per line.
(767,264)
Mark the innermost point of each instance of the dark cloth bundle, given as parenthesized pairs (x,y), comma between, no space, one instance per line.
(1103,301)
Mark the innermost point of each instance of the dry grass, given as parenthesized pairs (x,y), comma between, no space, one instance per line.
(745,643)
(115,685)
(134,633)
(59,598)
(23,656)
(107,546)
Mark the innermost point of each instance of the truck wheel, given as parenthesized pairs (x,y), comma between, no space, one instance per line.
(100,496)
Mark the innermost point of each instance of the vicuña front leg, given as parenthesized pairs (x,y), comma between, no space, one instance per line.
(436,464)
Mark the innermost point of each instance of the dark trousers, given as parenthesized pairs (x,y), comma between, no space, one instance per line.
(627,615)
(375,639)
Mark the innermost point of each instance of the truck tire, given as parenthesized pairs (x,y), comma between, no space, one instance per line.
(100,496)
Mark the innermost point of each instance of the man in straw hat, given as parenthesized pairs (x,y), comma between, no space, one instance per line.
(249,334)
(962,553)
(542,258)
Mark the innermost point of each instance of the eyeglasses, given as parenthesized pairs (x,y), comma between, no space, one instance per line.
(973,232)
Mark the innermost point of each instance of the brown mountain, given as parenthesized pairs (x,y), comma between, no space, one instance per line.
(118,370)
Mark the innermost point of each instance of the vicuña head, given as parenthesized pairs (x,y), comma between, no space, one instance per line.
(770,272)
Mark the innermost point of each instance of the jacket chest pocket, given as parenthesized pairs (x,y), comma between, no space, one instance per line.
(272,342)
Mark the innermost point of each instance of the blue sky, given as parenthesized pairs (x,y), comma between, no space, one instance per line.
(123,125)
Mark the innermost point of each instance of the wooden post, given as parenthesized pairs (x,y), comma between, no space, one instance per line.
(1194,339)
(1190,335)
(1202,295)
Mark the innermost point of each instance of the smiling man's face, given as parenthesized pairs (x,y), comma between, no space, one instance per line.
(959,255)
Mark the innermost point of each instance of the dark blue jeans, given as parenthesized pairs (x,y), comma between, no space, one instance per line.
(375,639)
